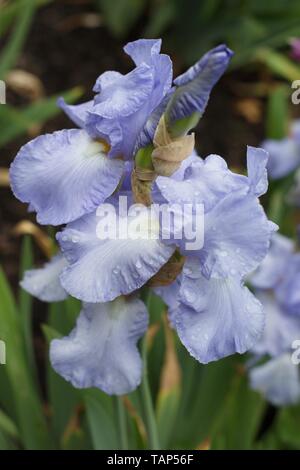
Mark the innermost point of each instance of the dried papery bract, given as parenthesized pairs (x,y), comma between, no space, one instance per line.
(169,152)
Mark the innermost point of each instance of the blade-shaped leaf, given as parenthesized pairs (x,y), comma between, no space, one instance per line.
(14,122)
(12,49)
(28,406)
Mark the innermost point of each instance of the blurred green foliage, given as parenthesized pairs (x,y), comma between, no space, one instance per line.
(209,406)
(213,406)
(16,17)
(192,27)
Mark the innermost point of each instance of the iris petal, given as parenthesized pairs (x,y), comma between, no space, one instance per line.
(44,282)
(216,318)
(64,175)
(278,379)
(281,327)
(284,156)
(101,269)
(203,181)
(195,85)
(78,113)
(257,159)
(143,50)
(101,351)
(288,290)
(124,103)
(237,236)
(275,263)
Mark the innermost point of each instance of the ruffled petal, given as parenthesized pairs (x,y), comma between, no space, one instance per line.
(236,238)
(216,318)
(278,380)
(101,351)
(257,159)
(109,130)
(100,269)
(147,51)
(274,265)
(143,50)
(77,113)
(202,181)
(125,102)
(44,283)
(121,95)
(281,328)
(145,137)
(169,294)
(64,175)
(195,85)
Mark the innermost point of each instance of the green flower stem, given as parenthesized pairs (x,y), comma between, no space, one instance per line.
(122,424)
(143,157)
(147,401)
(151,425)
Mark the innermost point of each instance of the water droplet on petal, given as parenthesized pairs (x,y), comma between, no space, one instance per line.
(223,253)
(190,295)
(187,271)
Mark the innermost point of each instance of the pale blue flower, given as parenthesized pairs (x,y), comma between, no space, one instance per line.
(278,380)
(44,282)
(69,176)
(284,153)
(102,349)
(277,287)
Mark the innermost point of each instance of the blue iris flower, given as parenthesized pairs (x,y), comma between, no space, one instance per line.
(66,177)
(284,153)
(277,286)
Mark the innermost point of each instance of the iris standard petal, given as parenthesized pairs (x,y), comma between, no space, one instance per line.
(125,102)
(257,159)
(143,50)
(64,175)
(122,109)
(101,351)
(216,318)
(44,282)
(78,113)
(146,134)
(102,268)
(121,95)
(278,380)
(195,85)
(147,51)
